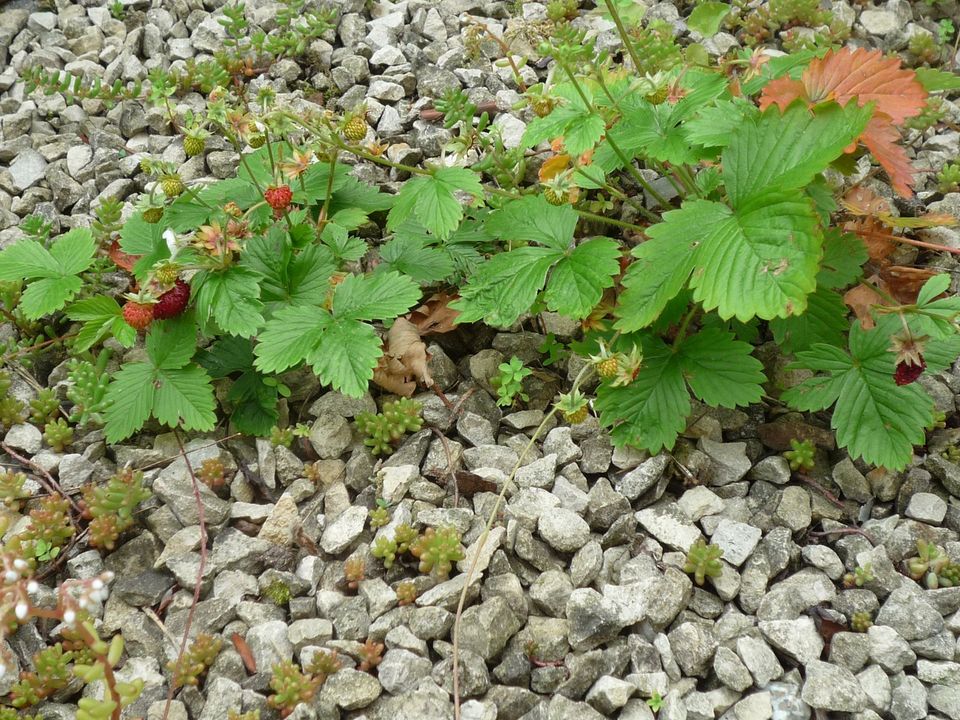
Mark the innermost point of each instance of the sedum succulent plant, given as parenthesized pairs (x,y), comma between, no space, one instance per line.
(703,561)
(385,429)
(437,550)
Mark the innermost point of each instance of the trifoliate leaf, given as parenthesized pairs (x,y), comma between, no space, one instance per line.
(650,412)
(720,370)
(178,396)
(101,316)
(431,199)
(231,298)
(937,285)
(874,418)
(345,247)
(582,132)
(714,125)
(52,275)
(580,277)
(784,152)
(382,296)
(843,256)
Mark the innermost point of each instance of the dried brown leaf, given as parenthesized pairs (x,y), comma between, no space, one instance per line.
(404,361)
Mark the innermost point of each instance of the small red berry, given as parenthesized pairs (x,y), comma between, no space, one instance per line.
(278,197)
(173,301)
(138,315)
(907,372)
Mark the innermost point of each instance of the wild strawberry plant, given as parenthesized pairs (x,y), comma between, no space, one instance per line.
(683,214)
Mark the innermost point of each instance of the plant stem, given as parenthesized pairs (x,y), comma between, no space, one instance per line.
(324,213)
(682,330)
(622,31)
(627,163)
(479,543)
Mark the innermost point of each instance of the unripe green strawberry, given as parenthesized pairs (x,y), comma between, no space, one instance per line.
(356,129)
(607,368)
(153,214)
(542,107)
(193,145)
(145,164)
(167,274)
(138,315)
(257,141)
(553,197)
(172,185)
(658,95)
(577,416)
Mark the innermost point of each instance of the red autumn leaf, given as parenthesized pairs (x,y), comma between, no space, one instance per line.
(124,261)
(881,139)
(863,76)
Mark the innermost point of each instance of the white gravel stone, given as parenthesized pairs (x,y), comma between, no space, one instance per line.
(736,539)
(927,507)
(563,530)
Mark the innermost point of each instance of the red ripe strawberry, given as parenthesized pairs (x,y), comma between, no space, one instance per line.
(138,315)
(278,197)
(173,301)
(907,372)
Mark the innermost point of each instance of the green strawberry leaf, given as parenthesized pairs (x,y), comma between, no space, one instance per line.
(231,298)
(101,316)
(431,199)
(759,261)
(177,396)
(783,152)
(412,256)
(825,321)
(138,237)
(346,356)
(580,277)
(533,219)
(52,275)
(660,270)
(650,412)
(381,296)
(288,277)
(721,370)
(289,336)
(843,256)
(506,286)
(874,418)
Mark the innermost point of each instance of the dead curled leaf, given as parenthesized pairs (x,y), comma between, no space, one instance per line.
(404,361)
(435,316)
(860,299)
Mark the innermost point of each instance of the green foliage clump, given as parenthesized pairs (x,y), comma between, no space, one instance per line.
(656,47)
(11,411)
(44,407)
(291,687)
(11,488)
(801,455)
(87,389)
(437,550)
(798,12)
(508,382)
(861,575)
(110,508)
(278,592)
(924,48)
(703,561)
(58,434)
(379,516)
(385,429)
(384,549)
(948,178)
(406,593)
(47,532)
(861,621)
(196,660)
(560,10)
(932,567)
(323,664)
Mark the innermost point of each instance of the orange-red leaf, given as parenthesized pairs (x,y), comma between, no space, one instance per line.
(867,76)
(124,261)
(863,76)
(882,140)
(553,166)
